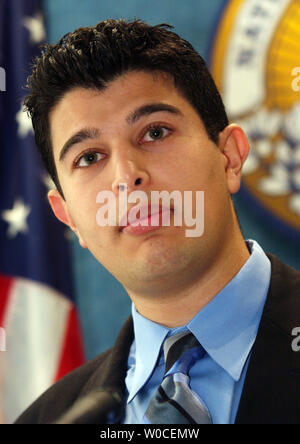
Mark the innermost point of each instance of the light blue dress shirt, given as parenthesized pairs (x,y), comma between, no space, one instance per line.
(226,327)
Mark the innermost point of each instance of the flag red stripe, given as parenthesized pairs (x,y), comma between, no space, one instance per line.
(5,286)
(72,350)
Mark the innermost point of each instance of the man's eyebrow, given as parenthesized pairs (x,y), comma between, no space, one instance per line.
(150,108)
(94,133)
(80,136)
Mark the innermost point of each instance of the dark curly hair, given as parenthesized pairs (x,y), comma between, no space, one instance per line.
(93,57)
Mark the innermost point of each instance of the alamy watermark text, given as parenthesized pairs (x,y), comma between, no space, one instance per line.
(2,340)
(296,81)
(2,79)
(146,213)
(296,341)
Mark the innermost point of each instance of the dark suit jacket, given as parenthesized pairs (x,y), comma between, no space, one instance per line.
(271,393)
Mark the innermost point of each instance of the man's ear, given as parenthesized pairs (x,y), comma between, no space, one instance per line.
(234,145)
(60,209)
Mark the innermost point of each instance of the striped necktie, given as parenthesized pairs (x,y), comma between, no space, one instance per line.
(174,401)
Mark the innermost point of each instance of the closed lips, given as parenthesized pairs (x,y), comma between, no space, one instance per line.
(144,213)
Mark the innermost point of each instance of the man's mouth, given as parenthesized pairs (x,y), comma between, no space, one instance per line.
(149,218)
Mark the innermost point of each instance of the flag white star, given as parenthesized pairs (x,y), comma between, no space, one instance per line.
(35,26)
(24,123)
(16,218)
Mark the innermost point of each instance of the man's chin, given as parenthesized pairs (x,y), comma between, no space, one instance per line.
(159,265)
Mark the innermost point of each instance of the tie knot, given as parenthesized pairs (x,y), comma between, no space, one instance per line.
(177,345)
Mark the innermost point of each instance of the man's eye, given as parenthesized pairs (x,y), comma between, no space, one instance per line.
(88,159)
(155,133)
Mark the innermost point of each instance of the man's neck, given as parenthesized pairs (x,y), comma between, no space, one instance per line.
(179,307)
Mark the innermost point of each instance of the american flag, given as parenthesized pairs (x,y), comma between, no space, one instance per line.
(37,311)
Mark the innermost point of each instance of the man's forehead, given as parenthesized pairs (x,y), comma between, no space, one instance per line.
(125,92)
(135,79)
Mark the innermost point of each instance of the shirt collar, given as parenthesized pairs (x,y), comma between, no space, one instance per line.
(226,327)
(149,336)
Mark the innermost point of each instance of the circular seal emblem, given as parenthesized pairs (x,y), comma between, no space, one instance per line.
(255,62)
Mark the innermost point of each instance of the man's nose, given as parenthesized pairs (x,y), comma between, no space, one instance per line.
(130,172)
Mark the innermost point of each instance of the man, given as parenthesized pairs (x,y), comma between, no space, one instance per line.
(130,105)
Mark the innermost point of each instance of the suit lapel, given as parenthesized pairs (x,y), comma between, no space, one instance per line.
(271,393)
(268,391)
(111,373)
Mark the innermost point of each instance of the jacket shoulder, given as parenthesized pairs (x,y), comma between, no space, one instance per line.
(284,306)
(61,395)
(107,370)
(271,392)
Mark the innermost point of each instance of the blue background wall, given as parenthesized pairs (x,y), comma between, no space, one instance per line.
(103,303)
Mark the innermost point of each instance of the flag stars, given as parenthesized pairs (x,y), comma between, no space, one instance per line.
(36,28)
(16,218)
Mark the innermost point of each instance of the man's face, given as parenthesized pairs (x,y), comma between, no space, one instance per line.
(167,149)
